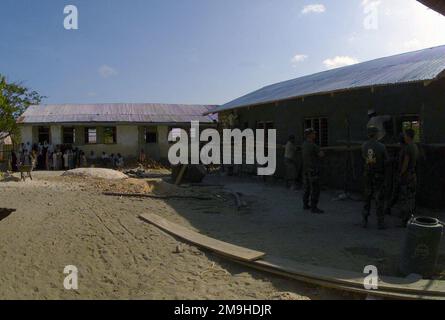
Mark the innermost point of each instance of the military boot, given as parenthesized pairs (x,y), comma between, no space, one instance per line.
(317,210)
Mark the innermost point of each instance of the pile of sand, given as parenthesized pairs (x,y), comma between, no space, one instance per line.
(145,186)
(107,174)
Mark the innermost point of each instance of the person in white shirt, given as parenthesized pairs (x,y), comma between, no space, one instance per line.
(290,162)
(55,166)
(65,160)
(119,162)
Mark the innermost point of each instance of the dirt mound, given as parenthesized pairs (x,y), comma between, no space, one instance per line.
(145,186)
(106,174)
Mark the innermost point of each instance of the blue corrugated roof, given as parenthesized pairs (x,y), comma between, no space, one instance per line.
(423,65)
(117,112)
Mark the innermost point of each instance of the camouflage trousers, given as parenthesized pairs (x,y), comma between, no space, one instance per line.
(311,185)
(408,192)
(374,188)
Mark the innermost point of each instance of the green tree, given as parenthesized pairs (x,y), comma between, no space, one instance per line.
(14,100)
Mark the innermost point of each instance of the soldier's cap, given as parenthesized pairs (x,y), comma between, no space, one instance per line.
(309,131)
(373,130)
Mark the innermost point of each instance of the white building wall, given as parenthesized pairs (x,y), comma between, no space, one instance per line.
(127,143)
(164,145)
(26,133)
(56,135)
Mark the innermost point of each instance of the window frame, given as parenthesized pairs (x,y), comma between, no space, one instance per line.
(411,118)
(322,138)
(113,135)
(170,129)
(147,132)
(87,135)
(73,132)
(48,134)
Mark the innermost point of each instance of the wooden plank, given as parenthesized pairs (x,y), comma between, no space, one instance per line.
(153,196)
(354,279)
(200,240)
(181,175)
(336,286)
(390,287)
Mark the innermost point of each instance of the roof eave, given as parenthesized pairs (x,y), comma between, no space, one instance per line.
(326,93)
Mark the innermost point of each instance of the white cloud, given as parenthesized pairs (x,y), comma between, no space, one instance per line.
(313,8)
(339,61)
(298,58)
(371,2)
(419,26)
(106,71)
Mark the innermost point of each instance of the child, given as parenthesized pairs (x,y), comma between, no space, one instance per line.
(119,162)
(65,160)
(83,160)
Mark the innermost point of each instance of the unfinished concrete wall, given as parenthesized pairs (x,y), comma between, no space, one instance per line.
(433,113)
(342,168)
(288,116)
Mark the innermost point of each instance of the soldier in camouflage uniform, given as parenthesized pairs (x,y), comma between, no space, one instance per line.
(311,154)
(375,156)
(408,176)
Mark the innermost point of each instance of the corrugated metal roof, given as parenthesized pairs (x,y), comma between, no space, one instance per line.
(118,112)
(421,65)
(437,5)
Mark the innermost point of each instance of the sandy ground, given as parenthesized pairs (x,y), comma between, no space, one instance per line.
(64,221)
(275,222)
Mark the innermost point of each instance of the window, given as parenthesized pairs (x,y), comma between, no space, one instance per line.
(69,135)
(260,125)
(44,134)
(412,122)
(266,126)
(321,126)
(110,135)
(90,135)
(176,134)
(151,135)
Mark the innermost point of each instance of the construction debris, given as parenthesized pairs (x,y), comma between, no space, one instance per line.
(188,173)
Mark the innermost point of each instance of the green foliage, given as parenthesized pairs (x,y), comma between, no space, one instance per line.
(14,100)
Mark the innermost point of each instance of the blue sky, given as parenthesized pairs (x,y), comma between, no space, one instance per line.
(197,51)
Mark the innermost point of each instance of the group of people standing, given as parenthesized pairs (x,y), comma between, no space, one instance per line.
(376,162)
(44,156)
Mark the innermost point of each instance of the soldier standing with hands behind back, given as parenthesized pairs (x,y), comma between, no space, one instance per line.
(375,156)
(311,171)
